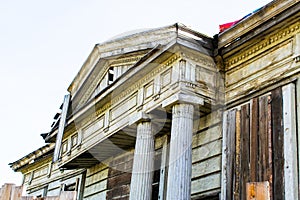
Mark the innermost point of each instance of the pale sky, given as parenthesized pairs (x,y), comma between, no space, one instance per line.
(43,44)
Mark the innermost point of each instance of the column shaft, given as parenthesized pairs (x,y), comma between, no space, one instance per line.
(143,163)
(180,163)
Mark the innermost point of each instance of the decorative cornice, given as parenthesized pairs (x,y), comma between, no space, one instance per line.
(267,43)
(32,156)
(270,11)
(199,59)
(125,61)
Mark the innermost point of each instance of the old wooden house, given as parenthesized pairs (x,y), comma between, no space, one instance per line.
(170,113)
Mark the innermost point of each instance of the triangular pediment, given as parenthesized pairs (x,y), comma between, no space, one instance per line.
(109,61)
(106,72)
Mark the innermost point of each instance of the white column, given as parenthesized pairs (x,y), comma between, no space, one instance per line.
(290,142)
(180,160)
(143,163)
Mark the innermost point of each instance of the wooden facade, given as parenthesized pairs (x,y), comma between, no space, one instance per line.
(170,113)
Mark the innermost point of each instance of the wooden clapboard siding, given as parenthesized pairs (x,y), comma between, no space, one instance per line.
(206,157)
(119,177)
(96,182)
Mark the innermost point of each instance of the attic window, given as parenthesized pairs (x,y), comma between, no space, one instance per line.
(71,187)
(110,75)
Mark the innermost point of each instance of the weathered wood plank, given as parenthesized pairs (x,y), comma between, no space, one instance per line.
(207,136)
(207,183)
(97,196)
(269,146)
(254,140)
(298,110)
(118,182)
(6,191)
(207,151)
(99,176)
(206,167)
(95,188)
(96,169)
(230,152)
(237,165)
(163,169)
(277,131)
(258,191)
(245,153)
(262,139)
(16,192)
(68,195)
(290,142)
(209,120)
(224,175)
(61,128)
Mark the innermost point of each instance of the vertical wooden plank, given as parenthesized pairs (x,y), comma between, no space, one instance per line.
(258,191)
(224,174)
(245,149)
(6,191)
(230,152)
(290,142)
(263,140)
(61,128)
(68,195)
(16,192)
(298,114)
(254,140)
(237,168)
(269,146)
(163,169)
(277,141)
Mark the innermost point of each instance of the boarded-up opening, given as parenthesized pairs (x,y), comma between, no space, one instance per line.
(254,147)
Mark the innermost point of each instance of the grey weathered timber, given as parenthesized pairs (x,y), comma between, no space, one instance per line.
(180,162)
(224,157)
(254,140)
(230,154)
(163,170)
(298,114)
(245,150)
(143,163)
(237,171)
(61,127)
(290,142)
(278,152)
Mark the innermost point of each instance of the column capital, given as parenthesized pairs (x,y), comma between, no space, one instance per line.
(183,98)
(139,117)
